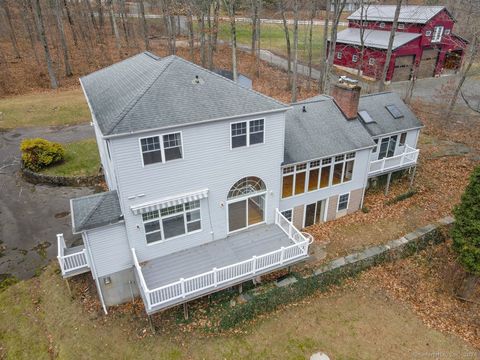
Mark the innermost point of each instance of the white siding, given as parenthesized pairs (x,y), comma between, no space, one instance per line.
(412,139)
(109,248)
(358,181)
(105,159)
(208,163)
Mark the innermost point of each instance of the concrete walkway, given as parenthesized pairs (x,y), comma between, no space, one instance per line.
(31,215)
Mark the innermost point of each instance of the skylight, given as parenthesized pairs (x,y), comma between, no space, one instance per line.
(394,111)
(367,119)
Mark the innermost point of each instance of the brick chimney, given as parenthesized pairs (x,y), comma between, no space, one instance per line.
(346,94)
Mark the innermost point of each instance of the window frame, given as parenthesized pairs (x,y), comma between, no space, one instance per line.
(428,33)
(435,38)
(446,31)
(339,55)
(248,133)
(354,58)
(162,147)
(371,61)
(161,217)
(382,25)
(404,136)
(338,202)
(401,26)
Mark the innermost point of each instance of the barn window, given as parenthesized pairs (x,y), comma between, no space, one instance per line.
(371,61)
(447,32)
(428,33)
(354,58)
(339,55)
(382,25)
(401,26)
(437,34)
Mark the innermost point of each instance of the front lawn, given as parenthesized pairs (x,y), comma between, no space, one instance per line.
(81,159)
(49,108)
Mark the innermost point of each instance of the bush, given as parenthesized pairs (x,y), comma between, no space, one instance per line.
(466,230)
(40,153)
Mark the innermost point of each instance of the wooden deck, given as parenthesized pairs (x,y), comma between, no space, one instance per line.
(233,249)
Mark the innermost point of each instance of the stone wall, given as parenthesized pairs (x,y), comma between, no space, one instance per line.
(38,178)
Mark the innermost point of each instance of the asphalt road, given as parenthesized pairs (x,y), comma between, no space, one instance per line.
(31,215)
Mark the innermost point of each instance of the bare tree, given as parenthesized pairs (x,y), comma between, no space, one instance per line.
(191,39)
(324,51)
(13,38)
(287,41)
(61,33)
(113,21)
(145,25)
(313,12)
(295,51)
(29,30)
(70,22)
(230,5)
(101,18)
(216,11)
(43,39)
(386,66)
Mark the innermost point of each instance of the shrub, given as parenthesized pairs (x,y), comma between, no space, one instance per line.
(40,153)
(466,230)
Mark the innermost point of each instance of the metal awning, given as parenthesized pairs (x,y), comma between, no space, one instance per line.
(169,201)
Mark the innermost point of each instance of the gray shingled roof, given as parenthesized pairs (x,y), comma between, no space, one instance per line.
(375,38)
(321,131)
(385,123)
(96,210)
(408,14)
(147,92)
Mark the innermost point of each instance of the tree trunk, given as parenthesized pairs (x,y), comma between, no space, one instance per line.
(338,6)
(63,41)
(310,42)
(473,54)
(323,53)
(386,66)
(173,35)
(233,36)
(210,37)
(216,11)
(145,26)
(101,18)
(123,18)
(70,22)
(295,51)
(258,48)
(115,28)
(43,39)
(191,39)
(254,5)
(13,37)
(29,30)
(203,53)
(362,38)
(287,40)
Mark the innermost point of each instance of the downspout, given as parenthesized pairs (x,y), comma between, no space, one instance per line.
(94,271)
(365,180)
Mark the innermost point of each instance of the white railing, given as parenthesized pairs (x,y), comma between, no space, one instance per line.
(71,262)
(408,157)
(220,276)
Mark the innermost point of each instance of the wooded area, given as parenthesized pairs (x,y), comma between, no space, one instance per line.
(50,43)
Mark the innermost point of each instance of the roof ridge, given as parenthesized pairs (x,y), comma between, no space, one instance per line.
(118,119)
(228,80)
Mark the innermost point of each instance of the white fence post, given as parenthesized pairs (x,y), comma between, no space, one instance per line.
(182,284)
(215,280)
(254,264)
(282,254)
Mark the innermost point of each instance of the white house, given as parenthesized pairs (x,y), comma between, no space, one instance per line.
(210,182)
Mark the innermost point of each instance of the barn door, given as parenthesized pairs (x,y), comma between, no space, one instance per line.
(403,68)
(428,63)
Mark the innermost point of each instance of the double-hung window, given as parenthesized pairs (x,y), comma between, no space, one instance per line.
(437,33)
(247,133)
(387,147)
(162,148)
(172,221)
(343,202)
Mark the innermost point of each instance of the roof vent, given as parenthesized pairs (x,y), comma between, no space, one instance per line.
(198,80)
(394,111)
(304,109)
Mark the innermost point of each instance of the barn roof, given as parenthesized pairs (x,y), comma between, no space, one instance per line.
(375,38)
(146,92)
(95,210)
(384,122)
(408,14)
(321,130)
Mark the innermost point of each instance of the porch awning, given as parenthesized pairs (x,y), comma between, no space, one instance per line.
(169,201)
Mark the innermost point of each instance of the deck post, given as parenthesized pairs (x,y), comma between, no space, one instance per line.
(412,176)
(152,326)
(387,187)
(185,311)
(240,288)
(68,287)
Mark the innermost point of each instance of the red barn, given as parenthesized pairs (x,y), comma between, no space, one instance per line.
(424,42)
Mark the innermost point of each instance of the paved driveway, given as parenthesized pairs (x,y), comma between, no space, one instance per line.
(31,215)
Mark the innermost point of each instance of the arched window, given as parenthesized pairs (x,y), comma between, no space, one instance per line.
(247,186)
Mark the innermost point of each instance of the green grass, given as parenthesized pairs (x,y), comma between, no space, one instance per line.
(81,159)
(65,107)
(272,37)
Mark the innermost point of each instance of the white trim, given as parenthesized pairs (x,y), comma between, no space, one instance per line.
(169,201)
(94,270)
(248,133)
(197,122)
(290,209)
(348,201)
(162,147)
(245,198)
(315,214)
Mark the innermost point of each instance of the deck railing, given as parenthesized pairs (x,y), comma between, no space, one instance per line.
(408,157)
(216,277)
(71,262)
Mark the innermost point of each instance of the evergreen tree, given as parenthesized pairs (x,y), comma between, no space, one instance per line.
(466,230)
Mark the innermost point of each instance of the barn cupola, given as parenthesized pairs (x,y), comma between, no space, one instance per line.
(346,94)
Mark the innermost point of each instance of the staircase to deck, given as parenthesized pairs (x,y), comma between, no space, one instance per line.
(72,260)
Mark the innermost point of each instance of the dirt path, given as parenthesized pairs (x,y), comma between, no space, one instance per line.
(31,215)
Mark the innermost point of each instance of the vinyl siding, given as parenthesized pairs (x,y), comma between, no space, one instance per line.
(412,139)
(109,249)
(208,162)
(358,181)
(105,159)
